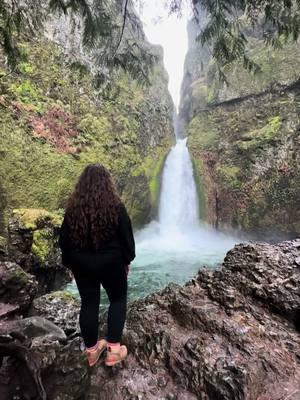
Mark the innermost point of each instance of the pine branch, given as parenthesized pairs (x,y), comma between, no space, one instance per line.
(122,30)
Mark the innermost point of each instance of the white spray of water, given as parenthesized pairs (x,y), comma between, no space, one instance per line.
(176,245)
(178,210)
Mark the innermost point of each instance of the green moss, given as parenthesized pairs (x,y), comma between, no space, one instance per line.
(3,243)
(229,176)
(151,169)
(42,244)
(64,295)
(278,66)
(198,170)
(26,68)
(42,223)
(261,137)
(30,218)
(26,92)
(201,93)
(202,132)
(38,173)
(155,179)
(20,275)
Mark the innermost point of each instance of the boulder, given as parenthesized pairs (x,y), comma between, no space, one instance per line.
(33,244)
(230,334)
(268,274)
(61,307)
(17,288)
(39,363)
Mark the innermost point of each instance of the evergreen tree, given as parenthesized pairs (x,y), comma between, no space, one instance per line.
(227,20)
(224,32)
(102,33)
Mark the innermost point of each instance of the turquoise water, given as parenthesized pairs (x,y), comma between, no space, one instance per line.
(177,245)
(175,256)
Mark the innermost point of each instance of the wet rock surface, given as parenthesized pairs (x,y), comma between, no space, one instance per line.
(39,363)
(17,288)
(61,308)
(229,334)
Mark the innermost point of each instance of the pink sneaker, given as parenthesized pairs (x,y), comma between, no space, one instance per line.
(94,353)
(115,355)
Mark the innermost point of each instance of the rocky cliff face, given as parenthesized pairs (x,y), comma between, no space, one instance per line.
(53,122)
(244,138)
(231,334)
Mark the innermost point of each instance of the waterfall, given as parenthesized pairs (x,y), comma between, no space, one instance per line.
(173,247)
(178,206)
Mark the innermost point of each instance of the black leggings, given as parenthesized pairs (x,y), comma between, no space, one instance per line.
(89,273)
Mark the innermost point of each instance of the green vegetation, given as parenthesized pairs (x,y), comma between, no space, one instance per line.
(42,244)
(104,28)
(34,218)
(278,67)
(152,168)
(64,295)
(53,123)
(3,243)
(228,175)
(42,224)
(102,33)
(256,139)
(198,171)
(228,22)
(246,153)
(203,132)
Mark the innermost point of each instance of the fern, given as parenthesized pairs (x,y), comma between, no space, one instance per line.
(226,20)
(102,35)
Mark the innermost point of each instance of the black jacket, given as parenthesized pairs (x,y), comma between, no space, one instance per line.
(122,242)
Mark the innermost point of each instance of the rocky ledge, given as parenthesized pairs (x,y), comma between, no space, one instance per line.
(229,334)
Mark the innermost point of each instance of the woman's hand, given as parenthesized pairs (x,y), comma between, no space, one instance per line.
(71,274)
(127,269)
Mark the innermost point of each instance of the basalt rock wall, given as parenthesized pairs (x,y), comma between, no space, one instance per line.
(54,120)
(244,138)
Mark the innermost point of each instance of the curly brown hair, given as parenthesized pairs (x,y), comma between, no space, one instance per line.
(92,210)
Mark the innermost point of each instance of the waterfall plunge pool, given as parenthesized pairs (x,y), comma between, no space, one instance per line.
(175,247)
(170,256)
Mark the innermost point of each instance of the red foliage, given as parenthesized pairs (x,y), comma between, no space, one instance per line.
(209,158)
(284,169)
(19,107)
(57,127)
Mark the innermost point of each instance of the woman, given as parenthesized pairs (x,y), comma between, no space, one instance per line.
(97,244)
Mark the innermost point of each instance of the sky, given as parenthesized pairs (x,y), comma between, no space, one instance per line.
(171,33)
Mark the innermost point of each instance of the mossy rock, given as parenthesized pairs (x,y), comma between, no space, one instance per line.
(3,244)
(262,137)
(36,218)
(229,175)
(198,171)
(52,127)
(43,244)
(16,286)
(203,133)
(60,307)
(41,226)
